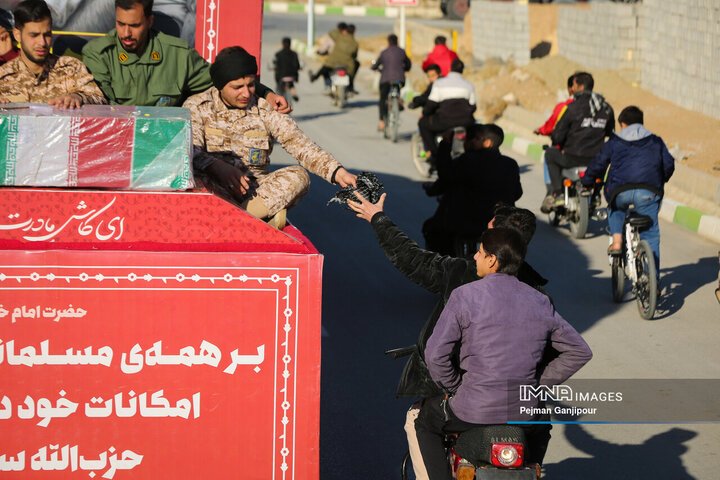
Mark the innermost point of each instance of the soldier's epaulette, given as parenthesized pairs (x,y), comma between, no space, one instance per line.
(103,43)
(169,40)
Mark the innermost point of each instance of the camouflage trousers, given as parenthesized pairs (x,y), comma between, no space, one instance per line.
(282,188)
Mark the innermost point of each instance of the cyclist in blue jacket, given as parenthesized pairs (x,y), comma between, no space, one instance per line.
(640,165)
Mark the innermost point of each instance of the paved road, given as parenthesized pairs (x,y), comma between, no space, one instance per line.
(369,307)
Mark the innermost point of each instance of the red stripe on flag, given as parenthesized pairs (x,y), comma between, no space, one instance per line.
(104,151)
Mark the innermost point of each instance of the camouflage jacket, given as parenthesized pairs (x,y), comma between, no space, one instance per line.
(62,76)
(248,135)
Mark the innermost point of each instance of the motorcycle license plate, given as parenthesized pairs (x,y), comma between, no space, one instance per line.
(338,80)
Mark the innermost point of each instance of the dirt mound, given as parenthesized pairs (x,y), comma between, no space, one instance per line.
(691,136)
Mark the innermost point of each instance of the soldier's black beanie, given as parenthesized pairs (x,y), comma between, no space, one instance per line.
(230,64)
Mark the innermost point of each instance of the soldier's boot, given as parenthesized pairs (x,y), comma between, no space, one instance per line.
(257,208)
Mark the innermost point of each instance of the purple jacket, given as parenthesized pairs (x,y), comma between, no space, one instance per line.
(394,63)
(502,327)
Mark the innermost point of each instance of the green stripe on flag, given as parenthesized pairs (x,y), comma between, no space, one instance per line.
(687,217)
(8,148)
(161,155)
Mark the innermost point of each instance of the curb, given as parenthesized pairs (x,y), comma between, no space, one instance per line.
(707,226)
(350,11)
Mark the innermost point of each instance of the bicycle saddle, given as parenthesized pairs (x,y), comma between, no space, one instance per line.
(639,221)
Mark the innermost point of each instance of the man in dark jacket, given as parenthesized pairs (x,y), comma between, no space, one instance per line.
(287,65)
(393,62)
(439,274)
(469,187)
(640,165)
(579,135)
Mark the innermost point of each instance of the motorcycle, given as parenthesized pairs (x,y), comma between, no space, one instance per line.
(489,452)
(339,84)
(579,204)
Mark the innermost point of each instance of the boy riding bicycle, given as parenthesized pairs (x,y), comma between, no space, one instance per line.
(640,165)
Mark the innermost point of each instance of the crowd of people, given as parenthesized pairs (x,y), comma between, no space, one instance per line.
(236,121)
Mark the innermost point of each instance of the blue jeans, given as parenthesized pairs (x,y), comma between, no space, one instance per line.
(646,203)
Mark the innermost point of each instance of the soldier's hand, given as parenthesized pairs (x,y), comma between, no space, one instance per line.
(345,178)
(364,208)
(70,101)
(232,178)
(278,102)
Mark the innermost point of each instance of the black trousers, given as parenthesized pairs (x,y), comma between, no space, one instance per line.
(436,419)
(429,127)
(556,161)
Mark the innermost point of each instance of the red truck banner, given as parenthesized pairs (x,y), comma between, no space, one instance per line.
(182,364)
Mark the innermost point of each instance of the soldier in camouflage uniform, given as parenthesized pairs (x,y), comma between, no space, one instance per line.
(37,75)
(233,135)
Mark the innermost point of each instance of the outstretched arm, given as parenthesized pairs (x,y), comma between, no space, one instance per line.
(430,270)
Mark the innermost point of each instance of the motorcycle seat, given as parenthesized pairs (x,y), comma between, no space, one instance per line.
(573,173)
(639,221)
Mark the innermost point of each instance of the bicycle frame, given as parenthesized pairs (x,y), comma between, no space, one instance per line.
(632,238)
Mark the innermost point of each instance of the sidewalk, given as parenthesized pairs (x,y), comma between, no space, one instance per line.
(707,226)
(352,11)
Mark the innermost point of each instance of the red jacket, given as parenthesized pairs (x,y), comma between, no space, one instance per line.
(442,56)
(559,109)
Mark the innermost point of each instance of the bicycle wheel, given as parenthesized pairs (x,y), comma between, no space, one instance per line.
(579,219)
(618,278)
(418,151)
(393,119)
(646,284)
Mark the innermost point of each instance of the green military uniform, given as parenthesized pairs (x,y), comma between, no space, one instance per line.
(166,73)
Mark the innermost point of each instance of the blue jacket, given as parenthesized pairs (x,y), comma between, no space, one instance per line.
(637,159)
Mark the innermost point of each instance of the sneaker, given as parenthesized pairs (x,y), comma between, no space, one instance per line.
(547,204)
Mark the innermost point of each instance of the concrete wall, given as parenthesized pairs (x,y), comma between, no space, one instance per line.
(672,48)
(501,30)
(681,52)
(606,36)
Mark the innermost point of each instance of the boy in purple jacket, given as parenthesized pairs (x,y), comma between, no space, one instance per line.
(501,328)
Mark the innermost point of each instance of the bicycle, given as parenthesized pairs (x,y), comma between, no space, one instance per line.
(392,116)
(636,263)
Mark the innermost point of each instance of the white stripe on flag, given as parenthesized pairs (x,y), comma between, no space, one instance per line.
(42,151)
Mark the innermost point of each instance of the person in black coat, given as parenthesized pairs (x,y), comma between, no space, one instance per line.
(469,187)
(287,65)
(579,135)
(440,274)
